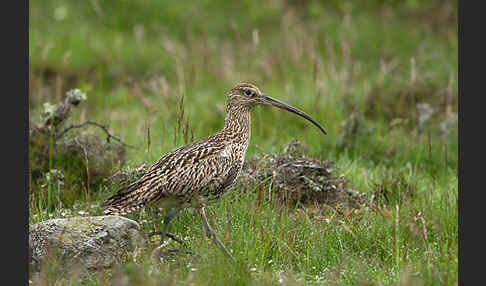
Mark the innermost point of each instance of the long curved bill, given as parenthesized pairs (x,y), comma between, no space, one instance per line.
(268,100)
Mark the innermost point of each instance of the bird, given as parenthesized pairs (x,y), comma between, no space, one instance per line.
(193,175)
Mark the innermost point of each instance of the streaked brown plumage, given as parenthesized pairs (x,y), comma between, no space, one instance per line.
(191,175)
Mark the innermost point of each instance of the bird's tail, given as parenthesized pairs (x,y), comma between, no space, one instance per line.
(125,201)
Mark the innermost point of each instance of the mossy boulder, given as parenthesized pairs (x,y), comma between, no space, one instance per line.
(83,243)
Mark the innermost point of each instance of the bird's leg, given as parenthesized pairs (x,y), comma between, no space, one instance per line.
(210,232)
(168,217)
(206,227)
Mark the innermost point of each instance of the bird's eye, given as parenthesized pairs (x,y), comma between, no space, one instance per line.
(248,92)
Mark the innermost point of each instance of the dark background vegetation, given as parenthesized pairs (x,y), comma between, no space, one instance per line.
(381,76)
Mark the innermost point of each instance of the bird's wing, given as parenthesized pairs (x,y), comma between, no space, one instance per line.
(196,167)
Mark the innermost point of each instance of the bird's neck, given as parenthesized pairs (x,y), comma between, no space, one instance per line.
(237,125)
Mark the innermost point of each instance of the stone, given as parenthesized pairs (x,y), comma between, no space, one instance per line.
(88,242)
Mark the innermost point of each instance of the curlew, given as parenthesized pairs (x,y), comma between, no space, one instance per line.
(192,175)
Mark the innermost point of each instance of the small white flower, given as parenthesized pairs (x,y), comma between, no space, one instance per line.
(49,109)
(75,96)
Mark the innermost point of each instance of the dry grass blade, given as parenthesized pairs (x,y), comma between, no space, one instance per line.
(86,160)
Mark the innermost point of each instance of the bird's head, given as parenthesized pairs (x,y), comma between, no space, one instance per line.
(247,94)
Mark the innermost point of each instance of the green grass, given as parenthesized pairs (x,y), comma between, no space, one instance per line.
(137,59)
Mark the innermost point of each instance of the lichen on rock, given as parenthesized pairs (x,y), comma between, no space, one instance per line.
(83,242)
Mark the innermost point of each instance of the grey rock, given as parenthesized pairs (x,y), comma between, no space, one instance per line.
(425,112)
(83,242)
(450,122)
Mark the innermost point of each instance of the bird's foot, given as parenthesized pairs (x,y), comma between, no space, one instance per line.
(162,250)
(168,235)
(159,251)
